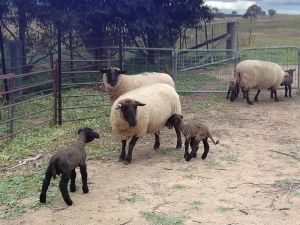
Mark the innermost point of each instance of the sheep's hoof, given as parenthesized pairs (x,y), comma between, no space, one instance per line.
(179,145)
(120,159)
(203,156)
(69,201)
(85,190)
(194,155)
(42,198)
(255,99)
(156,146)
(188,157)
(127,161)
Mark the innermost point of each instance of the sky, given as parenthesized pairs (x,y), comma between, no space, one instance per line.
(281,6)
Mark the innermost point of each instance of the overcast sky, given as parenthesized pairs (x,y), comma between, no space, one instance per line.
(281,6)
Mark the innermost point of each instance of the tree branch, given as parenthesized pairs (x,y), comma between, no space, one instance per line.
(9,31)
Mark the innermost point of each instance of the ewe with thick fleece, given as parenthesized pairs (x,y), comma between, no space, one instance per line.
(117,83)
(141,111)
(257,74)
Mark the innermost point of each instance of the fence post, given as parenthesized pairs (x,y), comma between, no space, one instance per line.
(11,110)
(54,78)
(230,43)
(59,75)
(3,65)
(298,70)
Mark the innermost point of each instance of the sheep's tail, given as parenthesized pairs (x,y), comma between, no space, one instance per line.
(54,164)
(211,138)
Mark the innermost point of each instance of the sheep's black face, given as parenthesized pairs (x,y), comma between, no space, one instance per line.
(173,121)
(89,133)
(234,92)
(129,109)
(112,75)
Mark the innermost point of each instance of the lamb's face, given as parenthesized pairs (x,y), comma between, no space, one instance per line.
(112,75)
(89,133)
(173,121)
(129,109)
(234,92)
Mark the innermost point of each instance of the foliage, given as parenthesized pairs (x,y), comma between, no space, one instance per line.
(160,219)
(253,11)
(272,12)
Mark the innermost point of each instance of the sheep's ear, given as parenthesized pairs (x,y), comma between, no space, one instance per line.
(80,130)
(181,116)
(119,106)
(122,72)
(139,103)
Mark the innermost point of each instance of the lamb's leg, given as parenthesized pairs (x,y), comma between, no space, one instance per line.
(73,178)
(130,148)
(271,94)
(157,142)
(187,155)
(290,90)
(194,147)
(275,95)
(85,188)
(243,91)
(256,96)
(285,90)
(178,135)
(247,98)
(228,93)
(123,152)
(206,148)
(63,185)
(46,183)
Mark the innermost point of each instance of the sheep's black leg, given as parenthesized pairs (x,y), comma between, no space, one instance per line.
(194,147)
(178,135)
(157,142)
(187,155)
(275,95)
(290,90)
(46,183)
(285,90)
(83,173)
(63,185)
(73,178)
(228,93)
(271,94)
(123,152)
(243,91)
(130,148)
(247,98)
(206,148)
(256,96)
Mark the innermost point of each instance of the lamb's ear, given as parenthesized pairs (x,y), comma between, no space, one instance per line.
(181,116)
(122,72)
(80,130)
(104,70)
(139,103)
(119,106)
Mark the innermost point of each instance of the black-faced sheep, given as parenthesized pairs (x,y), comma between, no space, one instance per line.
(287,82)
(141,111)
(257,74)
(194,132)
(117,83)
(65,161)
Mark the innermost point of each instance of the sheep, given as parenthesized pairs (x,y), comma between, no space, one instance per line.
(287,82)
(117,83)
(194,132)
(257,74)
(65,161)
(141,111)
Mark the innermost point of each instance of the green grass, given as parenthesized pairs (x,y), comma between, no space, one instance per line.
(283,183)
(222,209)
(211,101)
(179,187)
(196,205)
(161,219)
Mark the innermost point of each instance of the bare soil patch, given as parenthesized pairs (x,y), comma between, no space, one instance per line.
(251,177)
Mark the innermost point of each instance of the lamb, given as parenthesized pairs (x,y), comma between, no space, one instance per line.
(287,82)
(65,161)
(117,83)
(141,111)
(194,132)
(257,74)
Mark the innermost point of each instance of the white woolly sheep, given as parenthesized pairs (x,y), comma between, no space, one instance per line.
(141,111)
(257,74)
(117,83)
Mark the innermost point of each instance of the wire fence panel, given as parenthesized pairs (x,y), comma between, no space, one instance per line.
(286,57)
(204,70)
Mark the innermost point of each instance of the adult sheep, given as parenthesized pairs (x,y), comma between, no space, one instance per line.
(117,83)
(257,74)
(141,111)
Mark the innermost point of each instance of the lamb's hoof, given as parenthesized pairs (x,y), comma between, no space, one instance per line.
(127,161)
(276,100)
(290,96)
(120,159)
(255,99)
(250,103)
(179,145)
(72,188)
(85,190)
(188,157)
(42,198)
(156,147)
(194,155)
(69,202)
(203,156)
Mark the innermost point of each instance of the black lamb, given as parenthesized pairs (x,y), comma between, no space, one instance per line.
(65,161)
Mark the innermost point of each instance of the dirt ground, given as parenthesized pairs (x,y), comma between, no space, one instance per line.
(251,177)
